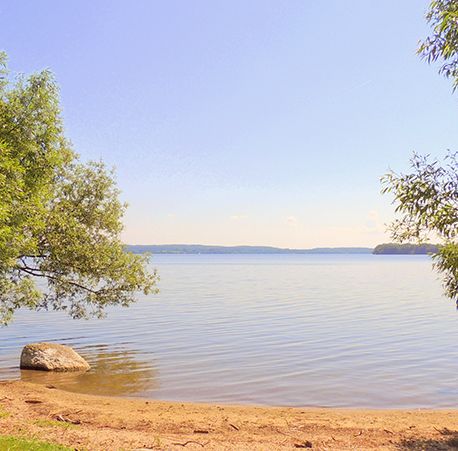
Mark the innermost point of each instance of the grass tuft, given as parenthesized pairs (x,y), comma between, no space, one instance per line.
(44,423)
(3,413)
(11,443)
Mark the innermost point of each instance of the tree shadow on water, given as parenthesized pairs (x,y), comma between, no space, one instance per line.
(448,441)
(113,373)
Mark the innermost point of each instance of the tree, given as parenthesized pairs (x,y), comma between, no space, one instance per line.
(427,200)
(427,197)
(60,219)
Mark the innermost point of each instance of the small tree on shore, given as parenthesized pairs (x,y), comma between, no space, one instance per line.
(60,219)
(427,197)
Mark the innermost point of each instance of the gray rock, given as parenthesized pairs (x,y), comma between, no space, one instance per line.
(52,357)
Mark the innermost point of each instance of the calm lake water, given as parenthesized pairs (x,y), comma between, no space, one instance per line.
(296,330)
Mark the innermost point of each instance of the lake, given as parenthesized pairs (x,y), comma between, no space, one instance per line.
(290,330)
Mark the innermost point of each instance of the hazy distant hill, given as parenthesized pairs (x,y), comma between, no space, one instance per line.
(406,249)
(205,249)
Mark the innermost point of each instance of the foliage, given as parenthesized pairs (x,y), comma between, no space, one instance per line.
(60,219)
(442,45)
(427,200)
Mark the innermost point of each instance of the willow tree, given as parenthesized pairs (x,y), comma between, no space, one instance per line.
(426,201)
(60,219)
(426,198)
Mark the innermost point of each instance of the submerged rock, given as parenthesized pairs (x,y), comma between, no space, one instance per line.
(52,357)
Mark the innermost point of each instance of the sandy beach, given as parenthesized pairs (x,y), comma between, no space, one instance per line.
(104,423)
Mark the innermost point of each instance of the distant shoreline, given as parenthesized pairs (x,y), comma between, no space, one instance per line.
(209,249)
(381,249)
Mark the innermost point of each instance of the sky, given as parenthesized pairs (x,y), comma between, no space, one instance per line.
(251,122)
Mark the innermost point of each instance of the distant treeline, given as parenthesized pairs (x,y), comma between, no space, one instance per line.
(205,249)
(381,249)
(410,249)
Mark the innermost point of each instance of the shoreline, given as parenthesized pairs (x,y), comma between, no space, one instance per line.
(108,423)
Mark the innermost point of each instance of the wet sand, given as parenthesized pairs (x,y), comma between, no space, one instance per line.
(104,423)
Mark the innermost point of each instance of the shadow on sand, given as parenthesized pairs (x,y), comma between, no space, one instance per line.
(448,441)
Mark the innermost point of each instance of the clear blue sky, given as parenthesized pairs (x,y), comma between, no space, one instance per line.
(242,122)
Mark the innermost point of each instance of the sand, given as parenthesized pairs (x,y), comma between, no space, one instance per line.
(103,423)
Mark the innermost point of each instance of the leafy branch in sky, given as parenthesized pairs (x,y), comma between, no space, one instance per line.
(442,45)
(426,202)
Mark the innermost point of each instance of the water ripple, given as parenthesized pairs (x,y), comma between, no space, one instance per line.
(298,330)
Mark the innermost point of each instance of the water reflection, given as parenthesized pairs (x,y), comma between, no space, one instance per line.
(113,373)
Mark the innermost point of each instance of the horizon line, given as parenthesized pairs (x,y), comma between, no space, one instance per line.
(254,245)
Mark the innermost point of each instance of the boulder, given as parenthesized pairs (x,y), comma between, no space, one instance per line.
(52,357)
